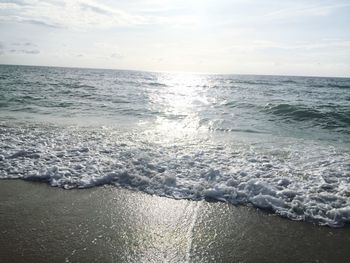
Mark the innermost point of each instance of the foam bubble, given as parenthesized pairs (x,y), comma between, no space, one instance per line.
(300,180)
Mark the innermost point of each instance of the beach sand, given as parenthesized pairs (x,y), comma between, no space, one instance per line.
(39,223)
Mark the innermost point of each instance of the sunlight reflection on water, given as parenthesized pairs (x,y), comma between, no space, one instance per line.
(179,103)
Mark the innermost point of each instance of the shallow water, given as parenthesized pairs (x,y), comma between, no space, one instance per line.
(278,143)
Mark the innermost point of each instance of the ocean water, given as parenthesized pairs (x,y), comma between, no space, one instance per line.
(274,142)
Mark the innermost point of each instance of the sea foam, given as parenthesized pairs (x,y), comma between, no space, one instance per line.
(299,180)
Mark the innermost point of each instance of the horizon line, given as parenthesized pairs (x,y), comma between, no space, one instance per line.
(179,72)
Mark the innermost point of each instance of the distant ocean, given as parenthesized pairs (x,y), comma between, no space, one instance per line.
(275,142)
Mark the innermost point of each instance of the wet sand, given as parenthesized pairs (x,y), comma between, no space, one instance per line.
(39,223)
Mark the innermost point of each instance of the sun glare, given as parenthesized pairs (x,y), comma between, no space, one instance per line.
(179,103)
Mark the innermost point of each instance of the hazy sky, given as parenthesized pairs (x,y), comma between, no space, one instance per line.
(291,37)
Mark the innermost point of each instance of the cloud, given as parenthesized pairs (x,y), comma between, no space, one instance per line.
(25,44)
(24,51)
(85,14)
(19,48)
(37,22)
(76,14)
(257,45)
(1,48)
(117,55)
(96,9)
(297,11)
(242,35)
(15,2)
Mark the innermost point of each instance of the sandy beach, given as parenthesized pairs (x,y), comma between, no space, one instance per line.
(174,131)
(107,224)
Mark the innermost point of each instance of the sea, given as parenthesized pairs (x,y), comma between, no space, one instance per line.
(278,143)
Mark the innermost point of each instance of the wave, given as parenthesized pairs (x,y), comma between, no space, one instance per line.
(80,86)
(330,85)
(306,183)
(235,130)
(337,117)
(254,82)
(289,81)
(208,138)
(156,84)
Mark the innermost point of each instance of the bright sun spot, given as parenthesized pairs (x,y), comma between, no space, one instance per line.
(179,102)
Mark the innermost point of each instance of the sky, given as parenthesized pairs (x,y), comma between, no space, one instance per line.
(289,37)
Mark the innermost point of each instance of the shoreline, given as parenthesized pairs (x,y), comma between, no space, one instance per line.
(40,223)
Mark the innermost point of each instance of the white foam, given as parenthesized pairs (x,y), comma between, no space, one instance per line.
(302,182)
